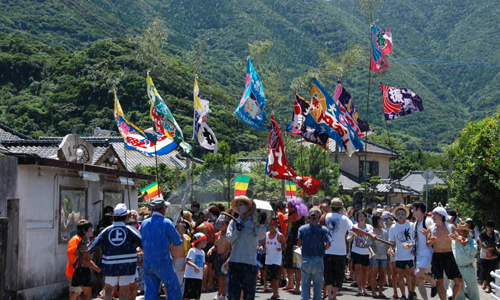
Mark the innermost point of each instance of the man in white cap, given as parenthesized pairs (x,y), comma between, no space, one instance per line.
(438,236)
(119,255)
(243,234)
(158,233)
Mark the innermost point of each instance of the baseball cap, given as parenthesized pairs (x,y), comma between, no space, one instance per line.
(120,210)
(336,202)
(315,212)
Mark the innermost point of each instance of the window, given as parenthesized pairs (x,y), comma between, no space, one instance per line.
(371,169)
(112,198)
(72,208)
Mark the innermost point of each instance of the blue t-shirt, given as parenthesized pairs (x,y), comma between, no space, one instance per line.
(314,240)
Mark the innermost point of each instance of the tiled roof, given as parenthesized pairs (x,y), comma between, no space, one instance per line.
(135,158)
(347,182)
(9,134)
(42,151)
(417,180)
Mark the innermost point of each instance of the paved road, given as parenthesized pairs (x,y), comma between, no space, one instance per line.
(347,293)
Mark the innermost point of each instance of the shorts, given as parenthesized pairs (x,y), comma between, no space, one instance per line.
(218,263)
(381,263)
(272,272)
(424,261)
(82,277)
(402,264)
(445,262)
(209,259)
(334,269)
(360,259)
(192,288)
(120,280)
(74,289)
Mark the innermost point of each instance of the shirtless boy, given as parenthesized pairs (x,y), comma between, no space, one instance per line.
(438,236)
(223,248)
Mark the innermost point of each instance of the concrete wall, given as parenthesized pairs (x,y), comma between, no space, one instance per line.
(351,164)
(42,258)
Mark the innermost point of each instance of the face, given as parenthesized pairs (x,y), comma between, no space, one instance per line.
(463,233)
(380,223)
(436,216)
(361,218)
(202,244)
(181,228)
(401,215)
(223,225)
(272,227)
(417,212)
(90,232)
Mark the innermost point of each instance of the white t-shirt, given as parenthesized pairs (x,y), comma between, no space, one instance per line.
(361,242)
(402,233)
(197,256)
(338,225)
(421,239)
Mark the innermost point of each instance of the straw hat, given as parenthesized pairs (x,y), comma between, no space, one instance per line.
(407,212)
(463,226)
(241,198)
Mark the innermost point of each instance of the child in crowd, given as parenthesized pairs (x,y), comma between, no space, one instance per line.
(223,249)
(195,262)
(274,243)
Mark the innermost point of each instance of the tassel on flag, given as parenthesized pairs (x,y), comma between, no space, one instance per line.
(400,102)
(153,190)
(241,185)
(381,48)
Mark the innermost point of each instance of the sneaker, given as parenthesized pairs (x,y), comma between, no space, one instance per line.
(434,291)
(221,297)
(216,297)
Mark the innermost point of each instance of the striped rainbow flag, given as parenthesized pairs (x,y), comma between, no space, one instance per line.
(241,185)
(153,190)
(290,189)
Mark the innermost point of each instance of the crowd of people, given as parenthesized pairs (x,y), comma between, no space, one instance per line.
(296,248)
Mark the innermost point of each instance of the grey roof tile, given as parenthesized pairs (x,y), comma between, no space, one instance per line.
(416,180)
(42,150)
(9,134)
(135,158)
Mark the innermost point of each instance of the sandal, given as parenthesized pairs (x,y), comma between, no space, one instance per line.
(382,296)
(274,297)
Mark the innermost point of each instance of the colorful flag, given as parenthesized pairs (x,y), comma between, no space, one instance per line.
(350,112)
(324,115)
(253,101)
(201,132)
(381,48)
(136,140)
(296,125)
(165,124)
(278,167)
(290,189)
(241,185)
(153,190)
(400,102)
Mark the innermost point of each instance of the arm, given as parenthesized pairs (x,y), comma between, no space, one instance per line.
(232,233)
(195,267)
(282,240)
(89,263)
(172,234)
(356,230)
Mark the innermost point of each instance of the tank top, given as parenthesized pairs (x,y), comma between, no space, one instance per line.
(273,256)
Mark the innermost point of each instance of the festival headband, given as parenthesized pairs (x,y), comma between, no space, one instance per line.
(193,244)
(274,222)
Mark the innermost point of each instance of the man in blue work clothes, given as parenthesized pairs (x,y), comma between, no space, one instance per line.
(119,254)
(314,239)
(158,233)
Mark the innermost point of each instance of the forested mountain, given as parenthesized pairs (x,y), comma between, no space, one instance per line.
(61,59)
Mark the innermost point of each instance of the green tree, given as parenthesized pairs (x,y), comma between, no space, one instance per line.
(475,180)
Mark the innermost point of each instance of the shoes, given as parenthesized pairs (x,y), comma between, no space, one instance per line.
(412,296)
(434,290)
(274,297)
(296,292)
(216,297)
(221,297)
(382,296)
(395,296)
(354,284)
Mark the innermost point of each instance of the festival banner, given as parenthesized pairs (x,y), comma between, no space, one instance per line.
(325,116)
(278,167)
(250,110)
(400,102)
(241,185)
(381,48)
(296,125)
(165,124)
(153,190)
(290,189)
(136,140)
(350,111)
(201,131)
